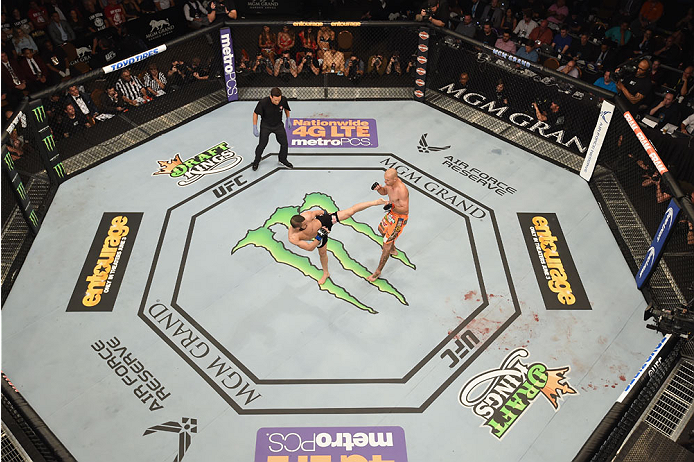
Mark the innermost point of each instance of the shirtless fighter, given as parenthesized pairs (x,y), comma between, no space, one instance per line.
(395,220)
(314,226)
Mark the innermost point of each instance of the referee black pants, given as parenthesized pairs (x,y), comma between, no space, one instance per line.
(280,135)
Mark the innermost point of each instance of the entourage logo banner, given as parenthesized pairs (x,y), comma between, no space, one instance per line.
(554,267)
(102,273)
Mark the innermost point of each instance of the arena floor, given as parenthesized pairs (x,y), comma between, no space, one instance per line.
(211,339)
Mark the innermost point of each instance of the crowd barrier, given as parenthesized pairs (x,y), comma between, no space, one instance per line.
(503,95)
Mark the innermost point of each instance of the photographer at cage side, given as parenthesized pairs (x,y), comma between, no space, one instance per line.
(262,64)
(285,66)
(634,86)
(435,12)
(376,65)
(394,64)
(354,68)
(308,65)
(550,112)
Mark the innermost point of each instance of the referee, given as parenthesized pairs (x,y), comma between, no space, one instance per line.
(270,110)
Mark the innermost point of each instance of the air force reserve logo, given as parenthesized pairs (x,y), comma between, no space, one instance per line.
(424,145)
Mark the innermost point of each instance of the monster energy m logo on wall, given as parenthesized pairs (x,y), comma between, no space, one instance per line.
(8,161)
(39,113)
(264,238)
(21,191)
(49,142)
(59,169)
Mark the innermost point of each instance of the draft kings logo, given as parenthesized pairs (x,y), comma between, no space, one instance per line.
(510,390)
(216,159)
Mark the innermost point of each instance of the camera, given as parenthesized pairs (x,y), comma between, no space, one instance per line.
(627,70)
(677,321)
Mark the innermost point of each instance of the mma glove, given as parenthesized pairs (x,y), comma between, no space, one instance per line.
(256,133)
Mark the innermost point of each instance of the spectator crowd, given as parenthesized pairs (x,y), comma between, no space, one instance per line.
(640,49)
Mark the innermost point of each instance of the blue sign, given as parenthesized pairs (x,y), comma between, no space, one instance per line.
(656,248)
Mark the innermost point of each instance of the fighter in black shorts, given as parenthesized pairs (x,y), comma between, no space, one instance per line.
(314,225)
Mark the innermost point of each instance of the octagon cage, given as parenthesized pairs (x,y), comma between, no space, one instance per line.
(390,61)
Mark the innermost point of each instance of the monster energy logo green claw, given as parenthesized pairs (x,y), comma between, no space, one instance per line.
(39,113)
(8,161)
(264,238)
(21,191)
(49,142)
(34,218)
(59,169)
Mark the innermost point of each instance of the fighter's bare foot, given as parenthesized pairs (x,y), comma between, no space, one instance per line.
(322,280)
(374,276)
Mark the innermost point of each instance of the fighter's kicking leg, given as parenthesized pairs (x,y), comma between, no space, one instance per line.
(344,214)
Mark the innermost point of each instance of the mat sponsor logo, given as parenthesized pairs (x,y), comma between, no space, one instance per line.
(132,373)
(509,391)
(185,430)
(216,159)
(556,273)
(212,363)
(478,176)
(102,273)
(423,145)
(519,119)
(330,444)
(333,133)
(264,238)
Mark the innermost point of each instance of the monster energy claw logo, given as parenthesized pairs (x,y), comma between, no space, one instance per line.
(20,190)
(34,218)
(264,237)
(8,161)
(59,170)
(39,113)
(49,142)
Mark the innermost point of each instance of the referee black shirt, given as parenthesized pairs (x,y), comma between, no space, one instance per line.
(271,114)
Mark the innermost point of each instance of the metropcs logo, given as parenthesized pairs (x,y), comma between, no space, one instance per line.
(511,389)
(210,161)
(331,444)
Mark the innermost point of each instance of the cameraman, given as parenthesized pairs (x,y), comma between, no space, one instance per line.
(550,114)
(394,64)
(285,65)
(436,12)
(635,89)
(354,68)
(376,65)
(262,64)
(309,64)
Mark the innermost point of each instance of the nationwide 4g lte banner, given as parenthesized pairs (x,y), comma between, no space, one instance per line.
(333,133)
